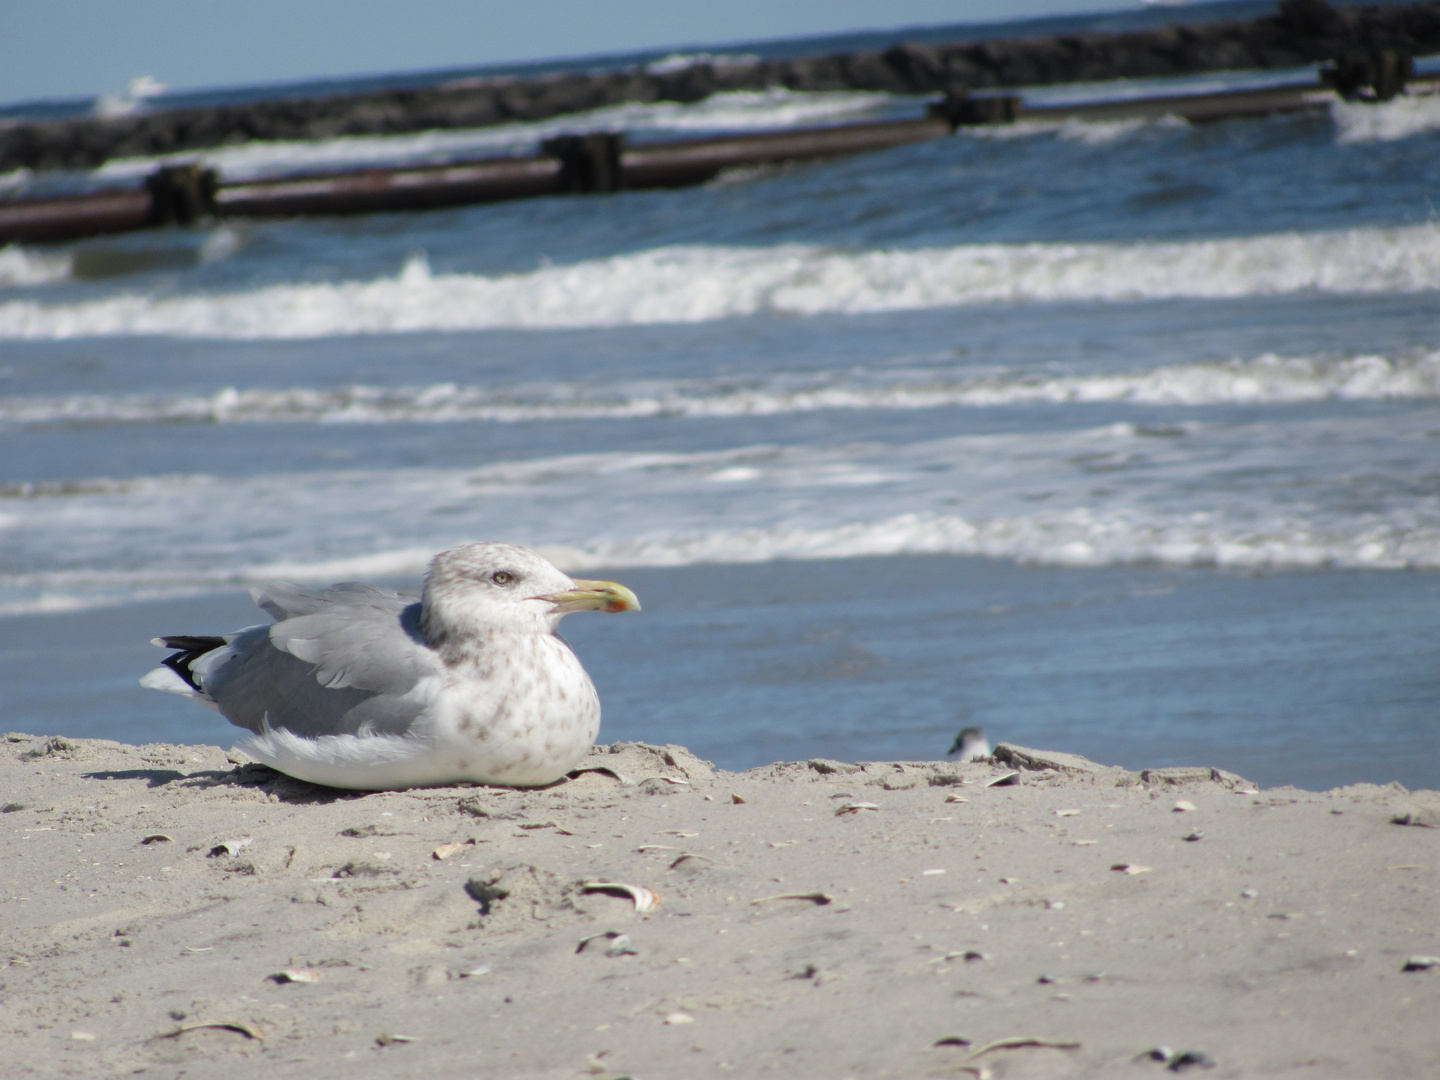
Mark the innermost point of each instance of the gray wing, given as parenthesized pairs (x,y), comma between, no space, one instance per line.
(336,661)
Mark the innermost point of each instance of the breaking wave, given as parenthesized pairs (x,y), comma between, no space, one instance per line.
(19,266)
(1340,492)
(1399,118)
(694,284)
(735,111)
(1078,538)
(1266,380)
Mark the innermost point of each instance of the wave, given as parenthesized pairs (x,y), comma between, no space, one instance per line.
(735,111)
(694,284)
(1072,129)
(1267,379)
(19,266)
(1315,493)
(1398,118)
(1077,539)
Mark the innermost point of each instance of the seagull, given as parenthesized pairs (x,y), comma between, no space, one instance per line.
(970,745)
(355,686)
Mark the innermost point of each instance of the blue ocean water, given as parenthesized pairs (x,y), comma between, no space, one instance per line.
(1114,438)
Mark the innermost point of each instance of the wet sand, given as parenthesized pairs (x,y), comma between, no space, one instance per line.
(814,919)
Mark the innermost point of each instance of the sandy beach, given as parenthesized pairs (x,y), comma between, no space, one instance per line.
(175,911)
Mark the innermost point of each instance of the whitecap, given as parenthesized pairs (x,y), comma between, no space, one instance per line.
(702,283)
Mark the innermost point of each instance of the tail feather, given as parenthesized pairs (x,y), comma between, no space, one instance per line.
(192,647)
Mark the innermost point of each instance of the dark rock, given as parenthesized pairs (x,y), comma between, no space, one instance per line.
(1369,47)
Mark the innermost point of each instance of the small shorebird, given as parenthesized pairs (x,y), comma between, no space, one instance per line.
(359,687)
(970,745)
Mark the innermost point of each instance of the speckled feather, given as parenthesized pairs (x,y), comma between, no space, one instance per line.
(360,687)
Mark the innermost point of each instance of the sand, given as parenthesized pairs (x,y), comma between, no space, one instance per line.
(814,919)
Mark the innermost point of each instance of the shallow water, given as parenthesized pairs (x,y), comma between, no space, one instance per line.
(1119,439)
(1311,679)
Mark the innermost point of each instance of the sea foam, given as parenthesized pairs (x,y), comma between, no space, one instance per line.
(1398,118)
(1264,380)
(1326,492)
(22,266)
(695,284)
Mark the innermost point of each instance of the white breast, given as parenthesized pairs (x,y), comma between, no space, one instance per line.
(522,716)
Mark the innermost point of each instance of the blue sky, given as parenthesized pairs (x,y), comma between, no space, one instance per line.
(78,48)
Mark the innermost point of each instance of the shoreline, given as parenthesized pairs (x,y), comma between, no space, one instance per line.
(814,918)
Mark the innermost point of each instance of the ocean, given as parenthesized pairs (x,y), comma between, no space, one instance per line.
(1120,439)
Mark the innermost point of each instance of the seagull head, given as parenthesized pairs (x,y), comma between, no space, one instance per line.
(487,587)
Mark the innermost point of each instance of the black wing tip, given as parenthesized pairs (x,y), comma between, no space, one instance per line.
(192,647)
(190,642)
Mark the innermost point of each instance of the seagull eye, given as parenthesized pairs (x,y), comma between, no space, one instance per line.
(502,577)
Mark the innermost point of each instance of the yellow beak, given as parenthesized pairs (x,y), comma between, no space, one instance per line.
(594,596)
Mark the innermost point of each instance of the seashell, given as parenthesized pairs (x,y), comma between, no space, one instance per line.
(385,1038)
(483,969)
(664,780)
(444,851)
(296,975)
(250,1031)
(932,873)
(679,1018)
(736,799)
(952,1040)
(374,830)
(818,898)
(604,770)
(485,893)
(1425,819)
(618,944)
(82,1036)
(621,946)
(956,798)
(1249,894)
(855,808)
(1183,806)
(1181,1062)
(1066,813)
(781,843)
(1016,1042)
(643,898)
(1008,779)
(655,847)
(688,855)
(1083,843)
(1192,837)
(157,838)
(231,847)
(682,835)
(1421,963)
(1131,868)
